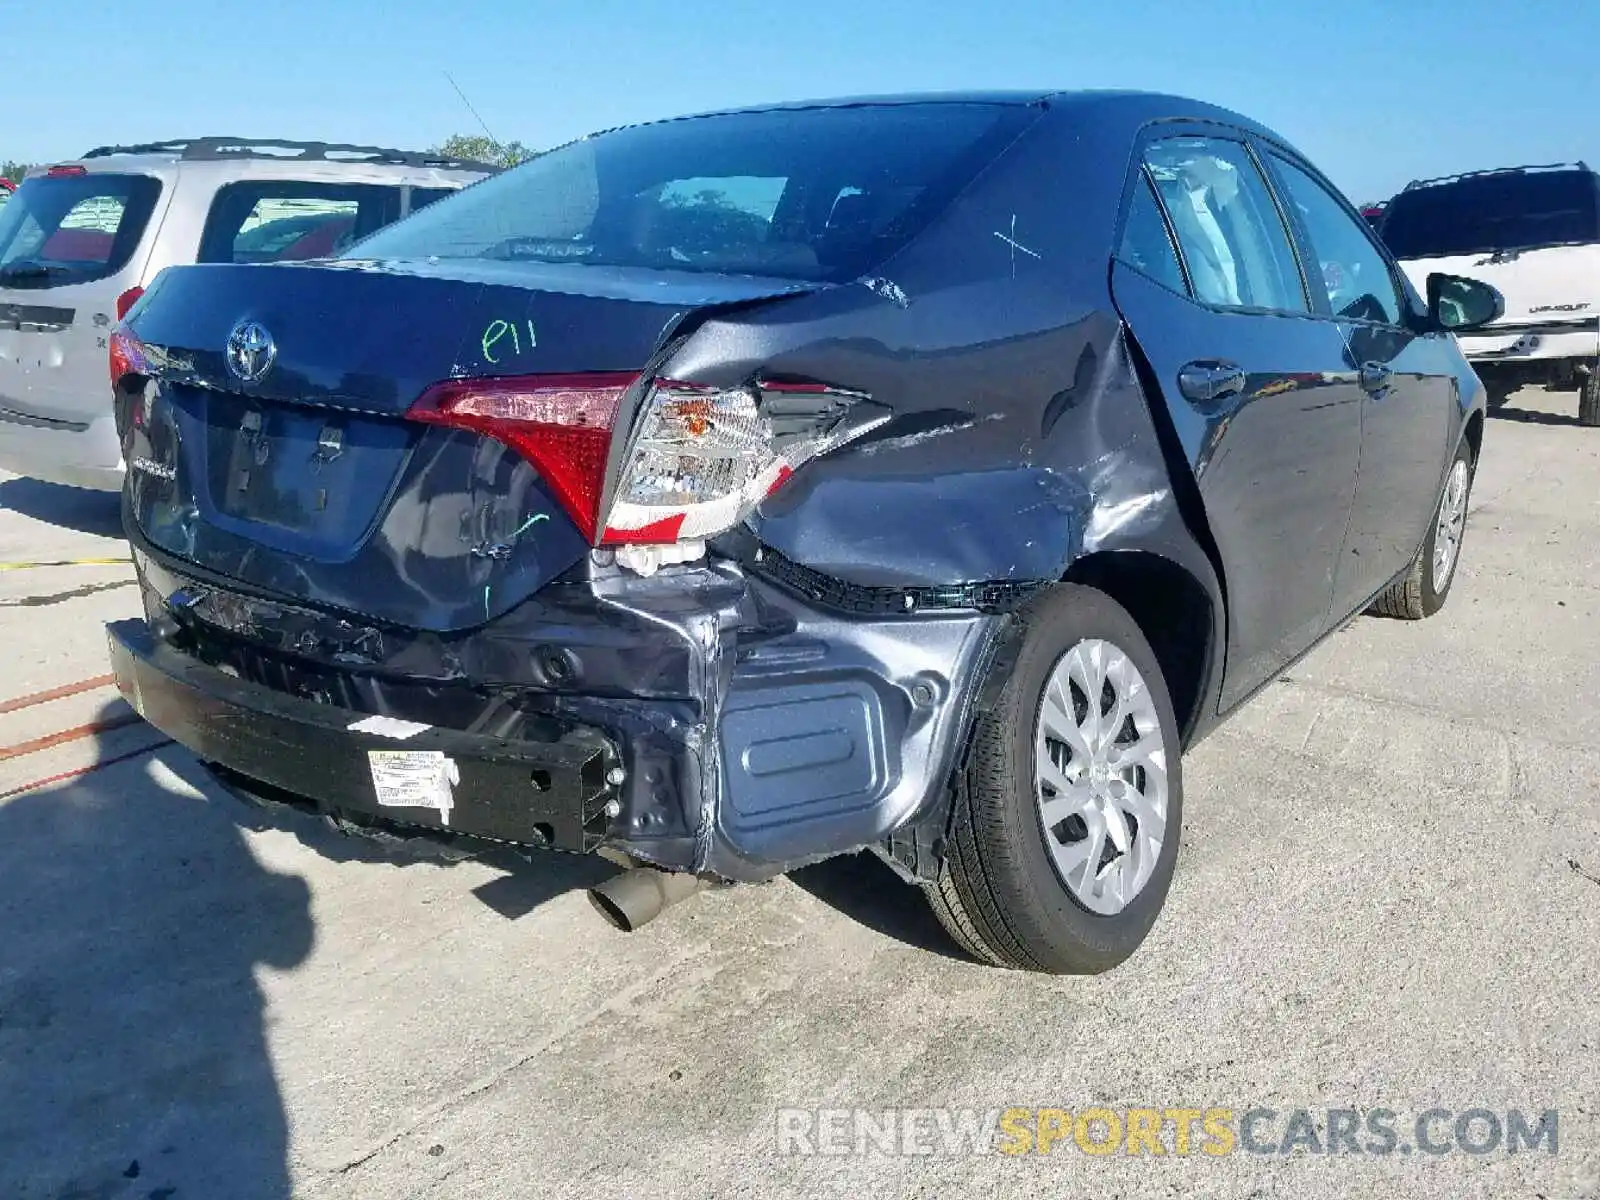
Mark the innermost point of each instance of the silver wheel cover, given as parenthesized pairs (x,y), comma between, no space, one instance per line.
(1100,776)
(1452,522)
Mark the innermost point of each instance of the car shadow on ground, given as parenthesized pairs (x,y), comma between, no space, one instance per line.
(863,888)
(133,1055)
(99,513)
(1532,416)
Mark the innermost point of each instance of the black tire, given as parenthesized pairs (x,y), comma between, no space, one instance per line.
(999,895)
(1589,397)
(1413,596)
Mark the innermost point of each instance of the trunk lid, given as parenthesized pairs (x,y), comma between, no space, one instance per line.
(309,483)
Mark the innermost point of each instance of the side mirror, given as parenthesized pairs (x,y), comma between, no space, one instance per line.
(1456,303)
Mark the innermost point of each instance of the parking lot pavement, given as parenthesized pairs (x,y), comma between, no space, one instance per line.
(1388,896)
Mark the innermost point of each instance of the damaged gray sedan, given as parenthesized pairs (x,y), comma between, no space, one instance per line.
(921,475)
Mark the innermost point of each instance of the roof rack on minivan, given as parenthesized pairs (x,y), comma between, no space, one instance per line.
(215,148)
(1571,166)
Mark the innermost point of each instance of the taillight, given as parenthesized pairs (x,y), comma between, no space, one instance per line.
(127,300)
(128,355)
(559,423)
(57,172)
(700,459)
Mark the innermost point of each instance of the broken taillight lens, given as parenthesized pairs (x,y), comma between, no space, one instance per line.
(559,423)
(699,459)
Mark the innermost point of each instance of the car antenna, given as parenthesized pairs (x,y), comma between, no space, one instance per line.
(484,124)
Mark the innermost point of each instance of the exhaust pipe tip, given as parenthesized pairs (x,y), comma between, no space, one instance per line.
(614,914)
(633,899)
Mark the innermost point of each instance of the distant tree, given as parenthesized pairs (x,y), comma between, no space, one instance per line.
(706,222)
(14,171)
(482,148)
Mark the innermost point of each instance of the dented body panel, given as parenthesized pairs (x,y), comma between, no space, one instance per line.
(806,688)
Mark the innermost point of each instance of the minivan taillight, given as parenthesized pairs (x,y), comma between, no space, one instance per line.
(700,459)
(127,300)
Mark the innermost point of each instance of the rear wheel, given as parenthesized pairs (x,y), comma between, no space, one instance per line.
(1589,397)
(1425,586)
(1069,806)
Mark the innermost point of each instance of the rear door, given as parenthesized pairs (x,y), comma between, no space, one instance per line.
(1261,395)
(1409,404)
(69,244)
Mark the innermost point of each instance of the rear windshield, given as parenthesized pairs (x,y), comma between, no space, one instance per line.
(815,194)
(1514,210)
(284,220)
(73,228)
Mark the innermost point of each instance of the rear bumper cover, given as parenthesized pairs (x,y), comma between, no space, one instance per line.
(1531,341)
(710,720)
(85,455)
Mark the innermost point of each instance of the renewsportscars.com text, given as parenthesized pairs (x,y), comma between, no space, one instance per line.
(1215,1131)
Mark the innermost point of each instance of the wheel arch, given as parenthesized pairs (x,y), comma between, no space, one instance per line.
(1177,613)
(1473,433)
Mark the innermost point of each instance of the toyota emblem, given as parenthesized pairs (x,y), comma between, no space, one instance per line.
(250,351)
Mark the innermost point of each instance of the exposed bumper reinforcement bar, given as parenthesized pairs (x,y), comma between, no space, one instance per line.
(552,794)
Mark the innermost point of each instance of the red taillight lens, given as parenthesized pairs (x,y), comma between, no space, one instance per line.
(127,300)
(56,172)
(560,423)
(128,356)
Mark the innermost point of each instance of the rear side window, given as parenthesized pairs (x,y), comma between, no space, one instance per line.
(1146,241)
(61,229)
(1234,243)
(822,193)
(288,221)
(1502,211)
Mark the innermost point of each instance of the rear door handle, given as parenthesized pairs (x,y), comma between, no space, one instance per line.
(1207,381)
(1375,377)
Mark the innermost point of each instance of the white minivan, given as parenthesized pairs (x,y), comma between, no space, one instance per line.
(80,240)
(1533,233)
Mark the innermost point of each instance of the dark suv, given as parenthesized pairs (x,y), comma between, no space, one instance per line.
(723,494)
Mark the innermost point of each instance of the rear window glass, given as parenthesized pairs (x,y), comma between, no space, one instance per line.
(820,193)
(287,221)
(1513,210)
(61,229)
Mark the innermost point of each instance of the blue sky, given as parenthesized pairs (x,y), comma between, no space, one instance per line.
(1375,92)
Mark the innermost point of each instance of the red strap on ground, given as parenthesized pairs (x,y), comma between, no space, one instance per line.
(68,735)
(56,693)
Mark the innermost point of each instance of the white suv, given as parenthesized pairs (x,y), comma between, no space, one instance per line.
(80,240)
(1534,233)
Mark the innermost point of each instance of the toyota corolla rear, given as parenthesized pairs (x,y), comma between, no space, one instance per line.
(455,531)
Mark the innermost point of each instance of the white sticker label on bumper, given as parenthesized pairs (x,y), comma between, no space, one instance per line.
(389,727)
(414,779)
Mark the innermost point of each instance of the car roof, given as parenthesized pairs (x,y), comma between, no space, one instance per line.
(1129,107)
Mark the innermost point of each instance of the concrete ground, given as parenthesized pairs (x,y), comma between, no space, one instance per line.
(1388,896)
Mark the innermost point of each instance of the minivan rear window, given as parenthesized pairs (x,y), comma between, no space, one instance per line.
(1500,211)
(60,229)
(286,220)
(807,193)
